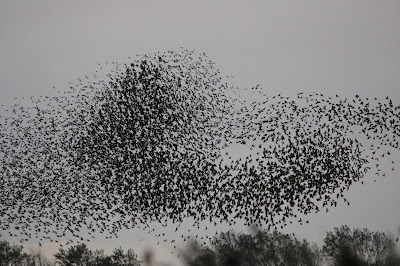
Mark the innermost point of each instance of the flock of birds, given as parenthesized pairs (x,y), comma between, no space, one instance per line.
(164,139)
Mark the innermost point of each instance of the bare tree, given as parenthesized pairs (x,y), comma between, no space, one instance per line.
(358,246)
(265,248)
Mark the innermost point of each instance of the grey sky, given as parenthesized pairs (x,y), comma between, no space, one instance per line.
(335,47)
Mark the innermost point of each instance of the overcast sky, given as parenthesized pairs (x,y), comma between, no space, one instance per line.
(332,47)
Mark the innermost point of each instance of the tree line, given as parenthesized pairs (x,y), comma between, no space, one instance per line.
(78,255)
(342,246)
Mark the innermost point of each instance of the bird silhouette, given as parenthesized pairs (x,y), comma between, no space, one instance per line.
(152,142)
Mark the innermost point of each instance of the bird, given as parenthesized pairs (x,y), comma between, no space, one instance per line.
(151,142)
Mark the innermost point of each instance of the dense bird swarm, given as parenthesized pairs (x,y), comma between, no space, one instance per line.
(155,141)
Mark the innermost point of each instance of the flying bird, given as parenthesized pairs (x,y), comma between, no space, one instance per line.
(151,142)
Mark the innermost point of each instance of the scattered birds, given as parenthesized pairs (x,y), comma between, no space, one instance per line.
(151,143)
